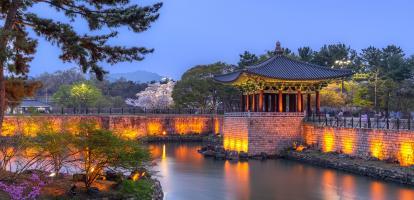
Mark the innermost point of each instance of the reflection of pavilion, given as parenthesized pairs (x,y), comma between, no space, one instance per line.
(279,83)
(270,89)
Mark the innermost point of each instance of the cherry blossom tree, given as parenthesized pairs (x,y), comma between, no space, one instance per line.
(156,95)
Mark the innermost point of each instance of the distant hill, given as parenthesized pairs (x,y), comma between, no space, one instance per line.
(137,76)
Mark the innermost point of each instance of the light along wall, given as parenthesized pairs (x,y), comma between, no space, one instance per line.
(131,127)
(380,144)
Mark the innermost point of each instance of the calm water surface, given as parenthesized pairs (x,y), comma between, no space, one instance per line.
(187,175)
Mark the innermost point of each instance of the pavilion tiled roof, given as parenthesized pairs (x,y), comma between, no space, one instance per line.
(284,68)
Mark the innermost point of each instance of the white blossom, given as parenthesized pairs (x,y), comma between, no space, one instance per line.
(155,96)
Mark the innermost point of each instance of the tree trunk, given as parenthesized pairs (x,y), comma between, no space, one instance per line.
(4,38)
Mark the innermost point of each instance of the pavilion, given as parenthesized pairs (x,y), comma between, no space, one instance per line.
(272,103)
(279,83)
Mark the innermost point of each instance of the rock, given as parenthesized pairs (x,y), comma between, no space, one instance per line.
(243,156)
(158,193)
(209,153)
(263,156)
(220,156)
(93,191)
(79,177)
(113,176)
(232,155)
(72,191)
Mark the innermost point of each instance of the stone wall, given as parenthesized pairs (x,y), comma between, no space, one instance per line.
(364,143)
(131,126)
(255,133)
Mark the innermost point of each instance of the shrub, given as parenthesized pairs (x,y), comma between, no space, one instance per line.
(141,189)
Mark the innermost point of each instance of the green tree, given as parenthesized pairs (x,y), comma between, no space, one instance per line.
(247,59)
(197,89)
(79,95)
(306,54)
(101,149)
(86,50)
(56,148)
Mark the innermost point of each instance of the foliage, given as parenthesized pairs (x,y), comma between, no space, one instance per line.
(88,50)
(26,190)
(56,149)
(18,89)
(78,95)
(197,89)
(52,81)
(332,95)
(141,189)
(247,59)
(100,149)
(156,95)
(385,75)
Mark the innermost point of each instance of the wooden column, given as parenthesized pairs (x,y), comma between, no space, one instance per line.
(317,102)
(308,107)
(247,104)
(260,101)
(280,99)
(299,102)
(266,102)
(253,102)
(273,105)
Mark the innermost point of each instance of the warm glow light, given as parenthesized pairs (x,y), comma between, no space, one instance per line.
(377,148)
(164,133)
(193,125)
(154,127)
(216,125)
(135,177)
(236,144)
(328,140)
(164,154)
(348,143)
(406,153)
(52,174)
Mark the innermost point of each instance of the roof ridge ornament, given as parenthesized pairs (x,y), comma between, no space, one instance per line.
(278,50)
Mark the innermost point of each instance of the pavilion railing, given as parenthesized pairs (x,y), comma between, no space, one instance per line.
(362,121)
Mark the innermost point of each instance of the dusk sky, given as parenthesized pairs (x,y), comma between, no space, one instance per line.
(192,32)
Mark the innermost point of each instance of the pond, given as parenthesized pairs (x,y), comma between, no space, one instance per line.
(186,174)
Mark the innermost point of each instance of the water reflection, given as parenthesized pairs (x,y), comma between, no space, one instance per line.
(185,174)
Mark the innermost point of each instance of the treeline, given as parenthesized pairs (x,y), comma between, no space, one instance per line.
(70,88)
(383,79)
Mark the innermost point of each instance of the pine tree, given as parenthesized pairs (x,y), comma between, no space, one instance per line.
(86,50)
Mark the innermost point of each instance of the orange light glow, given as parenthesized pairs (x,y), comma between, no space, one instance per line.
(348,143)
(236,144)
(129,134)
(377,148)
(8,129)
(30,128)
(216,125)
(154,127)
(406,157)
(328,140)
(193,125)
(135,177)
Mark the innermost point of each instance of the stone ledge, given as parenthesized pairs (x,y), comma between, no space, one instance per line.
(371,168)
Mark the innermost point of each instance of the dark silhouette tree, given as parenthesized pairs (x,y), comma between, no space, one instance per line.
(86,50)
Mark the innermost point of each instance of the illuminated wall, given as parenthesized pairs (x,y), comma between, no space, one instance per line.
(380,144)
(235,134)
(131,127)
(270,133)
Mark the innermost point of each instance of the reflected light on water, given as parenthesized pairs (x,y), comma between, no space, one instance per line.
(237,173)
(186,174)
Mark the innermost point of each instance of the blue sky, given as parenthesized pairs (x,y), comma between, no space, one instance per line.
(191,32)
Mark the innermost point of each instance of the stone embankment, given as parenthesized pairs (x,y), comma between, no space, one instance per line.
(367,167)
